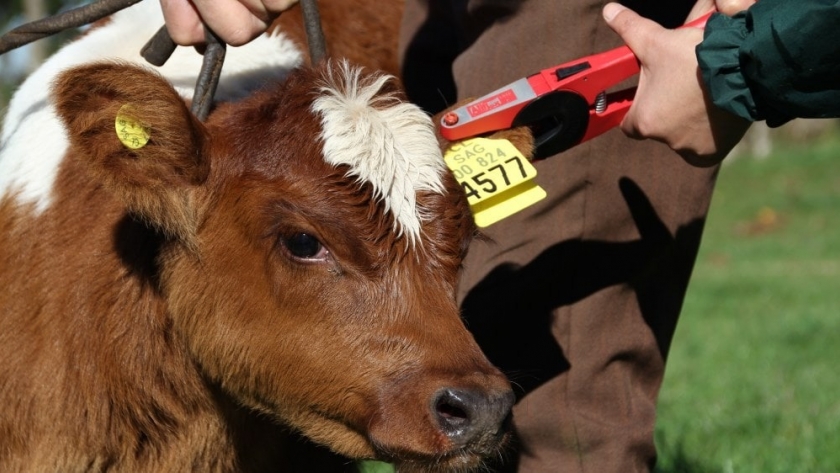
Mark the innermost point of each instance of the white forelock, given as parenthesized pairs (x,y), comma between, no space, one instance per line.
(385,141)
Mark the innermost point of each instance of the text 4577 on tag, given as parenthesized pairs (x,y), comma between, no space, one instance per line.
(496,178)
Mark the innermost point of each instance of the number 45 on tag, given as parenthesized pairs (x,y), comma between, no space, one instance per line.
(497,179)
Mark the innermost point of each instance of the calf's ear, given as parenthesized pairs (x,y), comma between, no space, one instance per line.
(139,140)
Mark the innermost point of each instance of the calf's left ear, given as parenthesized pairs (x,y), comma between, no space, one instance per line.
(139,139)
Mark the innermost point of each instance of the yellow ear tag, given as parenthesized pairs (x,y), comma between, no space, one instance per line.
(130,131)
(498,180)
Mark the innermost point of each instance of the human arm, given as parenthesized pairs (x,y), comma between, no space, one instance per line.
(671,104)
(236,22)
(775,61)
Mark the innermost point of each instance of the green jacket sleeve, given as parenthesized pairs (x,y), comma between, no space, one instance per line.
(777,61)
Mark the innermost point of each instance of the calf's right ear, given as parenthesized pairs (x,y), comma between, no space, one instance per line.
(157,175)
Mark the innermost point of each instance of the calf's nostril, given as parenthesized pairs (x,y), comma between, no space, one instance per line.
(466,416)
(450,411)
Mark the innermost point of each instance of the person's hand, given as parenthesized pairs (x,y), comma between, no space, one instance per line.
(671,103)
(731,7)
(236,22)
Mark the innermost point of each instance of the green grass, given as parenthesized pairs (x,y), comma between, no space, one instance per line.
(752,384)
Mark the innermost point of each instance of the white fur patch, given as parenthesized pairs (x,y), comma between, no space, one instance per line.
(34,142)
(386,142)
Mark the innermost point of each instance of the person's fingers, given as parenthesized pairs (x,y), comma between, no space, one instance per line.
(279,5)
(699,9)
(182,22)
(235,22)
(670,91)
(636,31)
(731,7)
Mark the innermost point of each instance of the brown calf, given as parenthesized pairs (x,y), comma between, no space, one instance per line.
(291,261)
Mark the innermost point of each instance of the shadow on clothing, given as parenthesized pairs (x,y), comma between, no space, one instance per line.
(510,311)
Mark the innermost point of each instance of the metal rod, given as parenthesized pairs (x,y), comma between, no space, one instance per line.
(208,77)
(74,18)
(314,33)
(158,49)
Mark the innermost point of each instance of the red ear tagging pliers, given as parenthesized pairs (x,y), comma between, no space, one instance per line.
(563,105)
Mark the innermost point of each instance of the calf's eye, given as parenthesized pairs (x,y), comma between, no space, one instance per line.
(305,246)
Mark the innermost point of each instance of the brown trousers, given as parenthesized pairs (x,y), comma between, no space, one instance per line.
(576,298)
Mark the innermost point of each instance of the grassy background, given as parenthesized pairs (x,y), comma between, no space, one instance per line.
(752,384)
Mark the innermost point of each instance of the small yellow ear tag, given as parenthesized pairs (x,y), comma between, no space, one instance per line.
(130,131)
(498,180)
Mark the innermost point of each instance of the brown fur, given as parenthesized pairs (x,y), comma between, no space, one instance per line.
(363,31)
(152,313)
(153,320)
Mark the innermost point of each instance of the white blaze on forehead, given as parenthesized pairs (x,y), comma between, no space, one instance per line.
(385,141)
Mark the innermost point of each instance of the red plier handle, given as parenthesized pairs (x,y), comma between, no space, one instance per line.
(564,105)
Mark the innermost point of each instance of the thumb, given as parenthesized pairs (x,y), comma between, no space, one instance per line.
(731,7)
(635,30)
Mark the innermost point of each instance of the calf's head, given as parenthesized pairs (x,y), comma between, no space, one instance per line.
(313,244)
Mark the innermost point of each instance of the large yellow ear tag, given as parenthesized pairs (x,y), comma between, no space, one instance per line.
(130,131)
(498,180)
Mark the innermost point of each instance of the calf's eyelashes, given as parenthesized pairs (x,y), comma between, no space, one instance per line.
(304,247)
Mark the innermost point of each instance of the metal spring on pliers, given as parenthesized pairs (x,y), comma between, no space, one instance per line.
(601,102)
